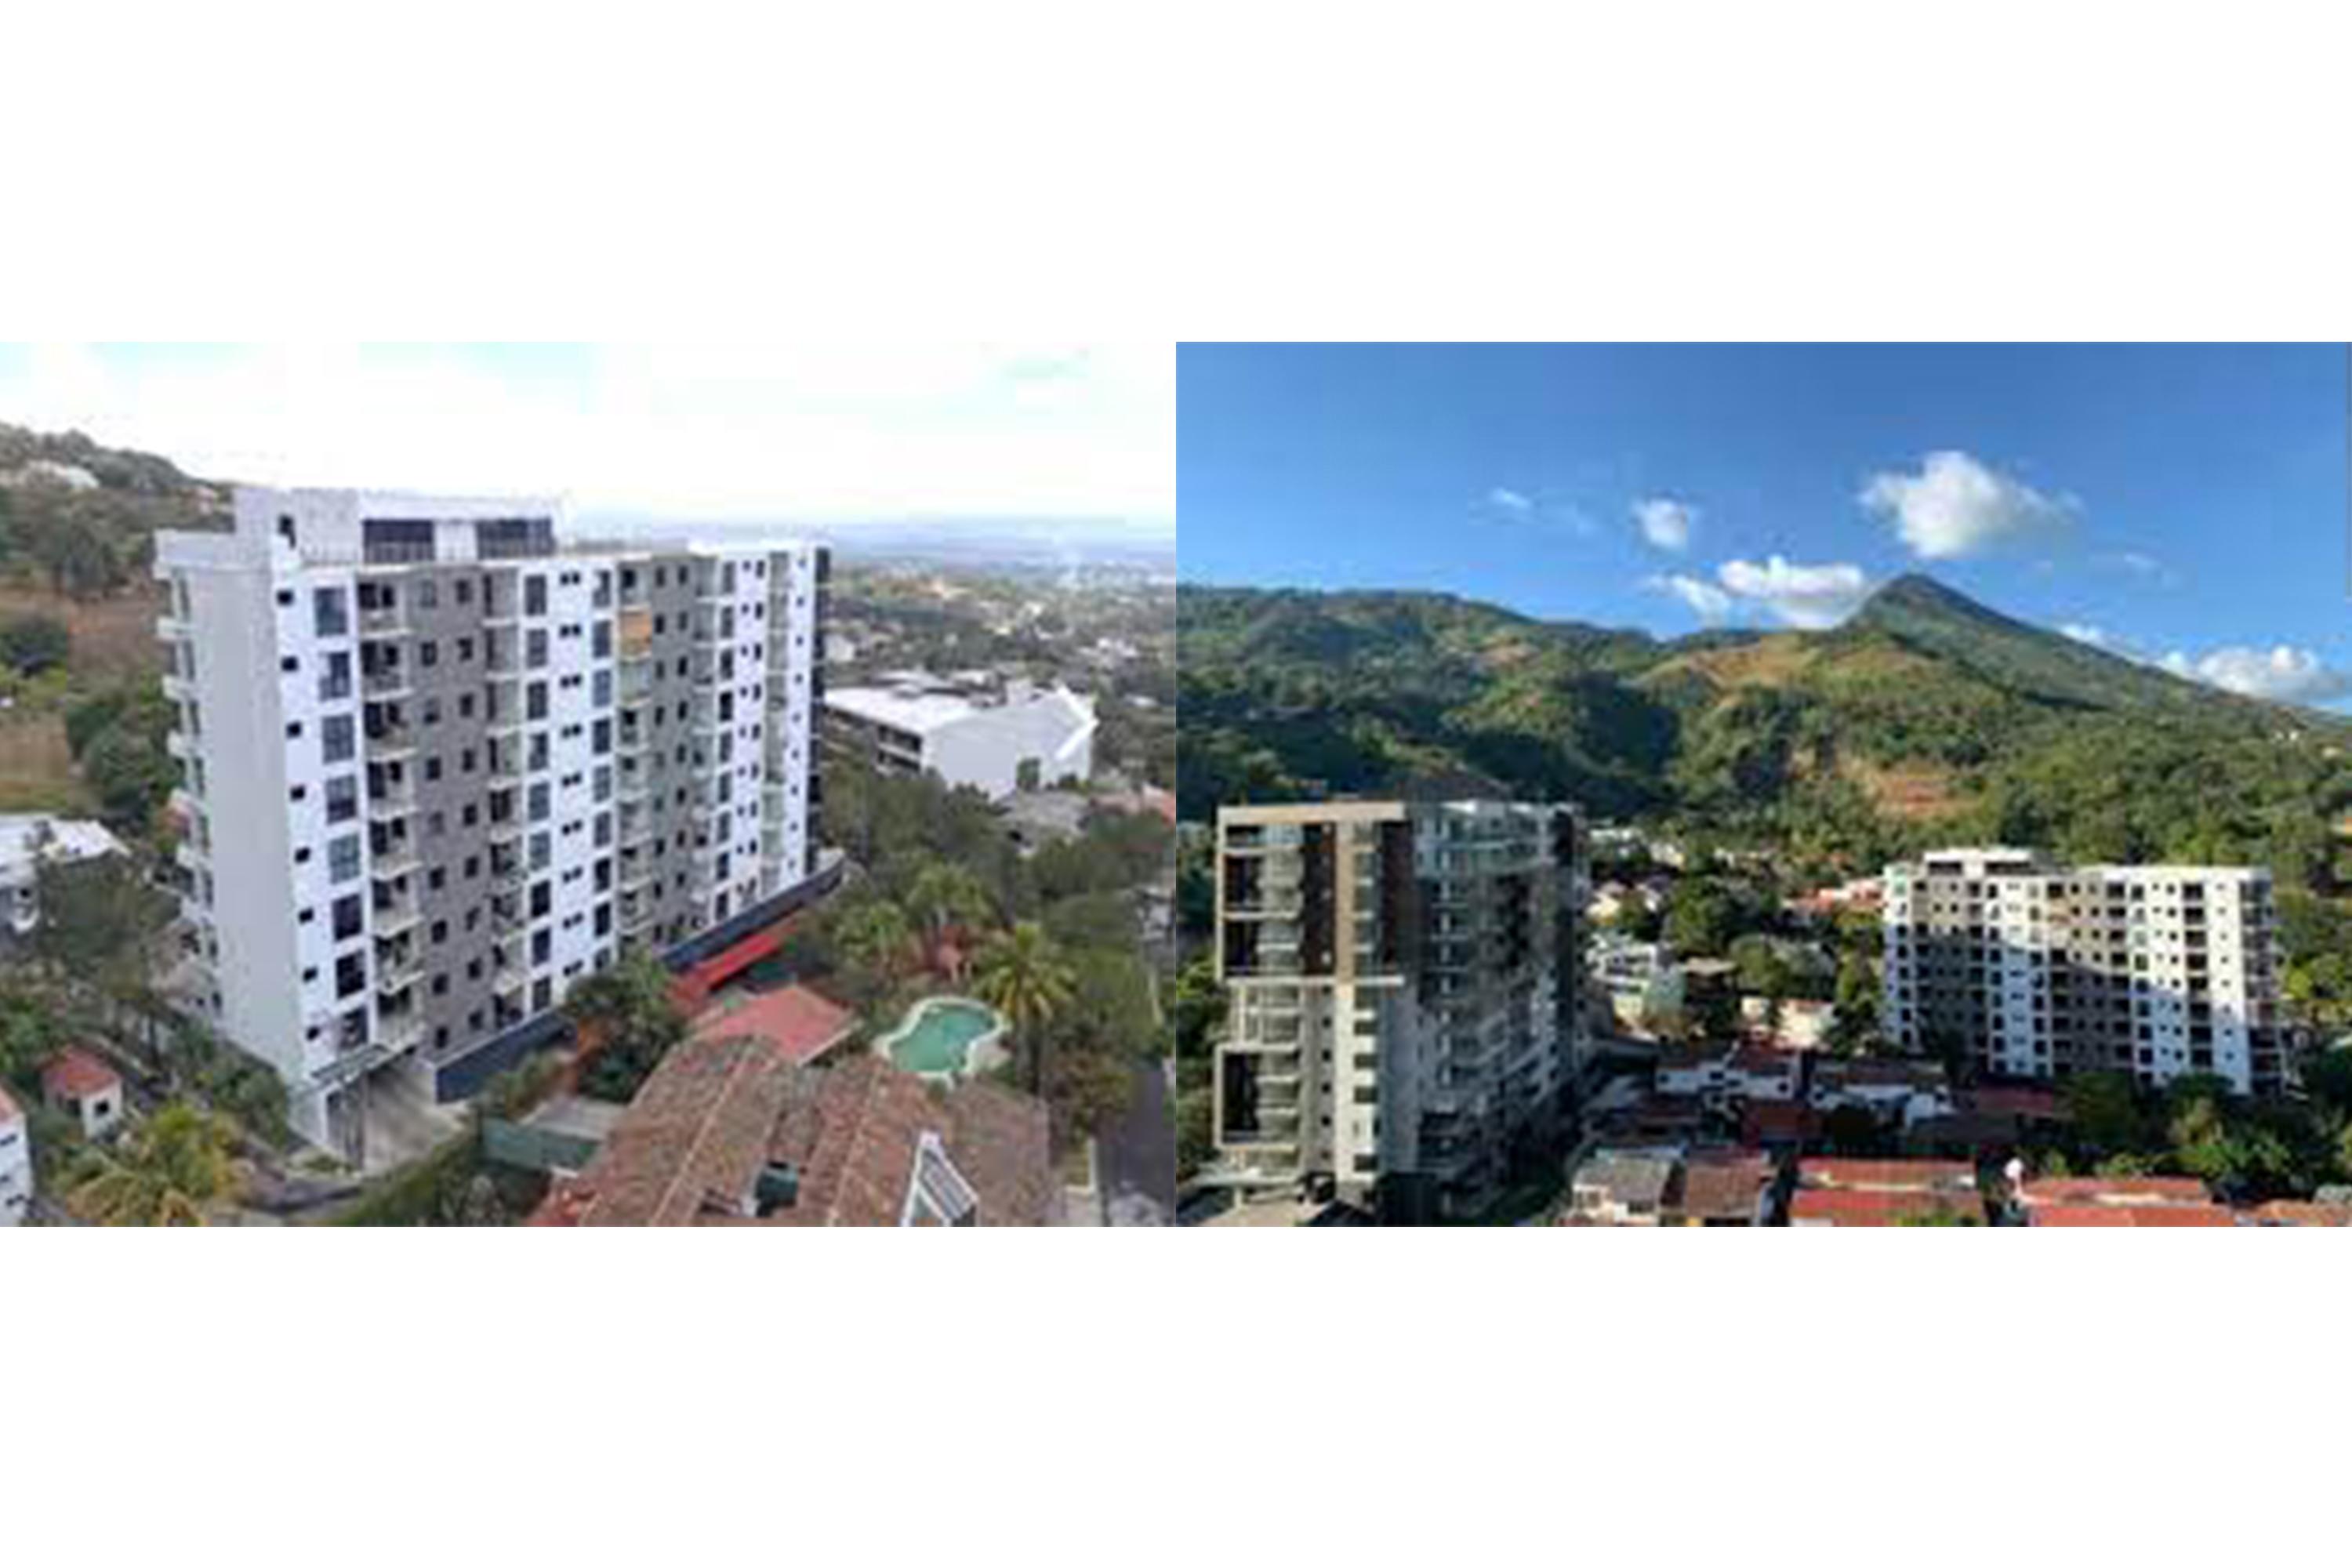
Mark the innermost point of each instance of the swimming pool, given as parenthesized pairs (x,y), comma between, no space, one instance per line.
(944,1036)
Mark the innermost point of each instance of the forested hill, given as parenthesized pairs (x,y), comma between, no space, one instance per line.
(84,516)
(1926,717)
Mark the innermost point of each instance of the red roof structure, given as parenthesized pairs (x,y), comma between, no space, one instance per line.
(75,1074)
(799,1024)
(2113,1191)
(2135,1217)
(1848,1208)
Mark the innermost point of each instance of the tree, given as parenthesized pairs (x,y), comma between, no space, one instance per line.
(31,644)
(627,1021)
(875,937)
(943,899)
(30,1034)
(1022,974)
(168,1170)
(2105,1111)
(100,920)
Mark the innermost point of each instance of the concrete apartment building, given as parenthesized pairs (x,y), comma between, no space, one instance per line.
(2043,969)
(16,1163)
(440,759)
(998,741)
(1406,996)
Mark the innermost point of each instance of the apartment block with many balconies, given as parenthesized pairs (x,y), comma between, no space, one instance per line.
(440,759)
(1405,996)
(2038,970)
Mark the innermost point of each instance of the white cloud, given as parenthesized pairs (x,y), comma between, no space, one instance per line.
(1667,525)
(1808,596)
(1954,506)
(1509,501)
(1709,602)
(1811,597)
(2283,674)
(815,432)
(2096,636)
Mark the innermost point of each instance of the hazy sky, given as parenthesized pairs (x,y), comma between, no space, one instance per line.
(2182,505)
(832,433)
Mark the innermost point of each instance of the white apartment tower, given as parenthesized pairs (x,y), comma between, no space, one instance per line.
(439,759)
(2040,970)
(1405,985)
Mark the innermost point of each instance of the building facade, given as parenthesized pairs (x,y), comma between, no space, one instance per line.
(440,760)
(16,1163)
(997,740)
(1406,996)
(2040,970)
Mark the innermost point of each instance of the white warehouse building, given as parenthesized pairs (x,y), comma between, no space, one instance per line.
(439,761)
(998,743)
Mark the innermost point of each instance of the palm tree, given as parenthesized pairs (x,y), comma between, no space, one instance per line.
(944,896)
(875,937)
(1024,976)
(166,1172)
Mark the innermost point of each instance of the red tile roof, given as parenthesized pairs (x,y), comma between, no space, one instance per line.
(74,1074)
(1849,1208)
(2137,1190)
(2136,1216)
(1887,1175)
(720,1112)
(1723,1186)
(797,1023)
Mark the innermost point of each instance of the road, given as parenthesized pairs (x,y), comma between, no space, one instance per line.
(1135,1156)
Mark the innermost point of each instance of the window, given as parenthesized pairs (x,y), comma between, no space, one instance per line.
(329,614)
(343,798)
(534,595)
(350,974)
(338,736)
(347,917)
(342,858)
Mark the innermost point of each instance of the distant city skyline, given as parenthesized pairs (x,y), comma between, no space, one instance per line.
(2185,506)
(824,435)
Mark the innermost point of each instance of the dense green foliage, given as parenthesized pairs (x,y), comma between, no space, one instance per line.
(31,644)
(1924,719)
(627,1016)
(89,542)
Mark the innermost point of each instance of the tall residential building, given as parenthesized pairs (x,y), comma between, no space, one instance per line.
(440,759)
(2040,970)
(16,1163)
(1406,996)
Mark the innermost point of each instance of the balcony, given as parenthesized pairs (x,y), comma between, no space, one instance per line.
(394,741)
(386,683)
(395,862)
(383,620)
(396,975)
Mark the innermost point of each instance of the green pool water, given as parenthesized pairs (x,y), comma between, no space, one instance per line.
(941,1035)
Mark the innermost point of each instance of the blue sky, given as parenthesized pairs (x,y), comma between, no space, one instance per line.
(748,431)
(2181,504)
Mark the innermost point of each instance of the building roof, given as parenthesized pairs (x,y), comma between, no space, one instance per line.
(2285,1211)
(1859,1072)
(76,1074)
(1848,1208)
(727,1117)
(1634,1179)
(2113,1190)
(1887,1175)
(2035,1104)
(797,1023)
(2137,1216)
(921,707)
(9,1108)
(1724,1185)
(58,837)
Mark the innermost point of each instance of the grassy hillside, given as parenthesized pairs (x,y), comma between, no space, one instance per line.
(1926,717)
(78,522)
